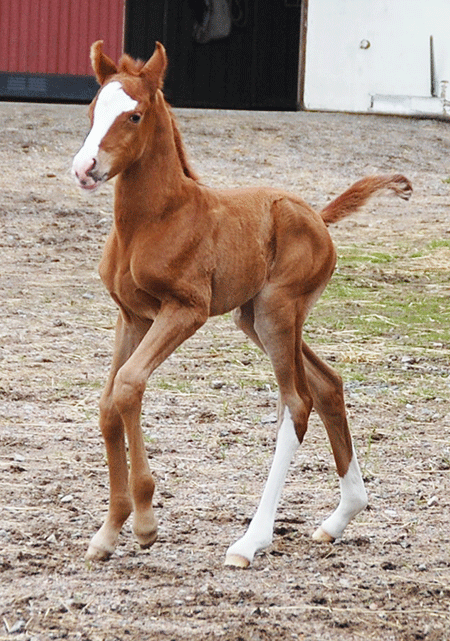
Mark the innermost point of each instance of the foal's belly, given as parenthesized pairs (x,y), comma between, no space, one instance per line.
(233,289)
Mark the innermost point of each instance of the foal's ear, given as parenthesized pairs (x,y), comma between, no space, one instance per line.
(155,69)
(103,66)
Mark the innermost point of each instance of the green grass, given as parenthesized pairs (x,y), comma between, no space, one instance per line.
(183,386)
(411,307)
(435,244)
(431,246)
(415,318)
(386,317)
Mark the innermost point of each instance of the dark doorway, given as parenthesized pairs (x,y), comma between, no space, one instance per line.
(254,67)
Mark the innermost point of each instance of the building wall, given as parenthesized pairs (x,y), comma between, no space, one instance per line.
(54,36)
(362,53)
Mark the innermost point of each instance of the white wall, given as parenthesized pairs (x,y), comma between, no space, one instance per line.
(340,75)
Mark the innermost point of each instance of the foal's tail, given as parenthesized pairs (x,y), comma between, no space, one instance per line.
(358,194)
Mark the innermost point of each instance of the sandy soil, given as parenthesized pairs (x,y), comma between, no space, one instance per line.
(208,411)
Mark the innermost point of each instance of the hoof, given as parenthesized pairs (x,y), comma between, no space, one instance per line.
(237,561)
(145,529)
(321,536)
(146,541)
(95,553)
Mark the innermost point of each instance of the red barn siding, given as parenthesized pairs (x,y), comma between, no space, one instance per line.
(54,36)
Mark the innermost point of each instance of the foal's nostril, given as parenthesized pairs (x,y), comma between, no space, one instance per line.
(87,171)
(91,168)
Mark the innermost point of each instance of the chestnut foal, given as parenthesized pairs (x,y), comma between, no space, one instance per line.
(180,252)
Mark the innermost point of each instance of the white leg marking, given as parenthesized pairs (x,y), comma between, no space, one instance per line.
(260,531)
(353,500)
(112,101)
(103,543)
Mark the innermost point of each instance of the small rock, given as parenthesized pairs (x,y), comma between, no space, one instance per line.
(51,539)
(270,418)
(42,359)
(19,626)
(67,498)
(432,501)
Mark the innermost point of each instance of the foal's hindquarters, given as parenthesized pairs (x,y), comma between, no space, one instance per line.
(274,321)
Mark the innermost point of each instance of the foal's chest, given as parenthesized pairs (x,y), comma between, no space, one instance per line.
(117,276)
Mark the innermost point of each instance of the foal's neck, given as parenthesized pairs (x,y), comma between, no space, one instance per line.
(161,176)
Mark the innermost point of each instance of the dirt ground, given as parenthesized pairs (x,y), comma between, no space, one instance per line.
(208,414)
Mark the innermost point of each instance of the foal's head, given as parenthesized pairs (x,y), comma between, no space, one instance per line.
(122,115)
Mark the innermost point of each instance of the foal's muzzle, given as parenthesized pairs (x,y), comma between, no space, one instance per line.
(87,173)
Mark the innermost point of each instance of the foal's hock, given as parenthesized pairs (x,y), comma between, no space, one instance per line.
(179,252)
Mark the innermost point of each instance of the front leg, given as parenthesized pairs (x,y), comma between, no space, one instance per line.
(120,507)
(173,325)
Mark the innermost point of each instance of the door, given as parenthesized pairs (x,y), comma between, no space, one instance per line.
(367,55)
(254,67)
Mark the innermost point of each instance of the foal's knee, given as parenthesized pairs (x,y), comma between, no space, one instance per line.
(128,391)
(110,421)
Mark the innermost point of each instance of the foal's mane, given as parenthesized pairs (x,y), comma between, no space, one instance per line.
(127,64)
(181,150)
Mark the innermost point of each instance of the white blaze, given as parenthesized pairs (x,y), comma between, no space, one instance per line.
(112,101)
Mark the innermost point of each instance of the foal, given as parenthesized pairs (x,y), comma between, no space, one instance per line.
(180,252)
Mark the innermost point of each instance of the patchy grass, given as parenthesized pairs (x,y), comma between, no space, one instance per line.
(385,317)
(400,301)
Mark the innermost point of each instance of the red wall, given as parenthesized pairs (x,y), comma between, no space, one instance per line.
(54,36)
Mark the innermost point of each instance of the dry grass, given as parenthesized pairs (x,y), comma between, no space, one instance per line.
(383,323)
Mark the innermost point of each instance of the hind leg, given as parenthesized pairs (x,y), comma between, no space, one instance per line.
(328,398)
(276,329)
(326,388)
(260,531)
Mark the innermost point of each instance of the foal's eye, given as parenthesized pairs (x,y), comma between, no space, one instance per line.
(135,118)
